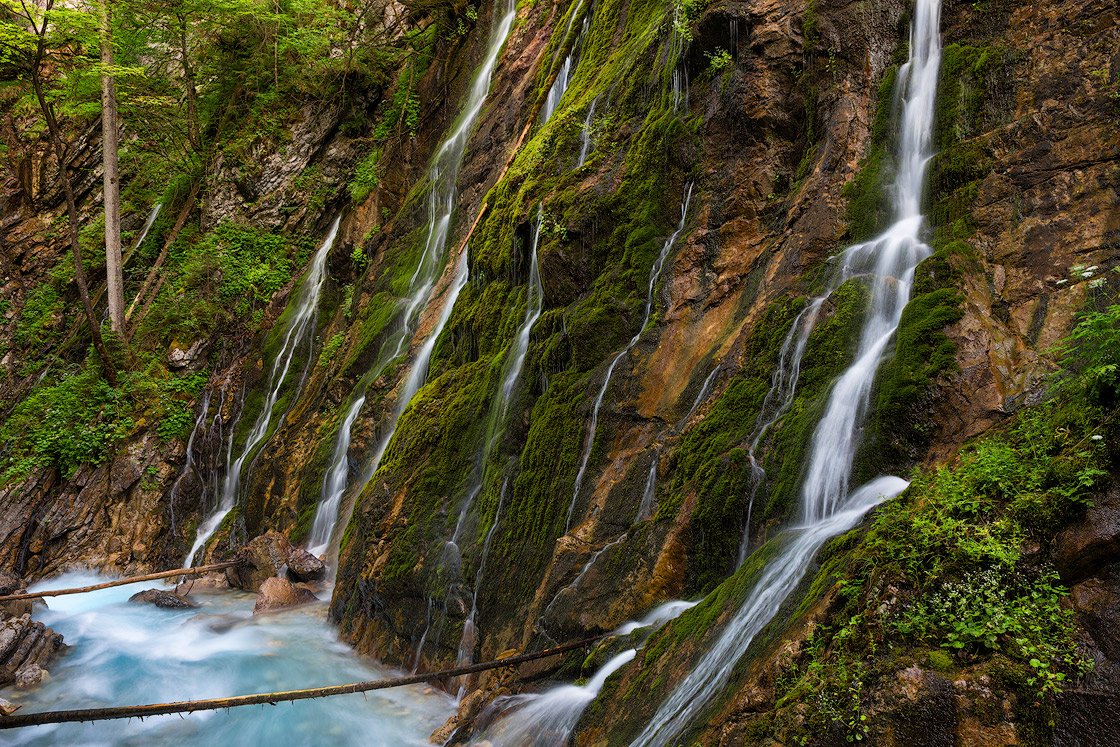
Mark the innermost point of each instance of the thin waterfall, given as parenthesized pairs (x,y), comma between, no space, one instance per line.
(443,175)
(300,329)
(337,476)
(564,77)
(511,374)
(649,492)
(585,135)
(827,506)
(783,387)
(189,466)
(152,214)
(546,719)
(654,276)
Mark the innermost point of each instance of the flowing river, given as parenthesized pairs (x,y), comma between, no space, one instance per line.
(125,653)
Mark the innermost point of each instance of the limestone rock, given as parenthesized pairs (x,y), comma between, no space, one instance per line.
(181,357)
(30,677)
(162,598)
(262,558)
(278,593)
(1082,549)
(303,566)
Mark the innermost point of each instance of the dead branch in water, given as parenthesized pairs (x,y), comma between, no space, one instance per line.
(211,704)
(199,571)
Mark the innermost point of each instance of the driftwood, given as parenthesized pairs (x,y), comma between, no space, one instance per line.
(202,569)
(211,704)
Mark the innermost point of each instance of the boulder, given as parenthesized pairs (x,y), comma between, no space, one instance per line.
(10,583)
(262,558)
(279,593)
(1082,549)
(162,598)
(30,676)
(303,566)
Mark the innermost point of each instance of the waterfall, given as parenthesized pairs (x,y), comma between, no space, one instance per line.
(585,136)
(547,719)
(336,478)
(827,506)
(152,214)
(654,276)
(189,466)
(783,387)
(649,492)
(560,85)
(511,374)
(300,329)
(443,175)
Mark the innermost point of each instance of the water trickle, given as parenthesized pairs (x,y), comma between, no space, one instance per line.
(443,175)
(300,330)
(654,276)
(123,653)
(152,215)
(649,492)
(511,374)
(190,467)
(547,719)
(827,506)
(585,134)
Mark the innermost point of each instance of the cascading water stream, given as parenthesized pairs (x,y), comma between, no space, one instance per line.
(827,507)
(783,387)
(564,77)
(443,175)
(654,276)
(547,719)
(511,375)
(585,135)
(300,330)
(337,477)
(127,653)
(152,215)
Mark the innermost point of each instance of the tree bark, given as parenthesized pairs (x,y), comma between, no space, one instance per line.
(114,280)
(55,136)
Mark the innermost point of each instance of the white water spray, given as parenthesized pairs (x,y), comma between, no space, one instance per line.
(300,329)
(443,175)
(827,506)
(654,276)
(547,719)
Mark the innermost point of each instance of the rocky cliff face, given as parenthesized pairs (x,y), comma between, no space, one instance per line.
(619,475)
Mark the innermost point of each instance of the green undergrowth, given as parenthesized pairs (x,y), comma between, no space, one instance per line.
(949,574)
(75,418)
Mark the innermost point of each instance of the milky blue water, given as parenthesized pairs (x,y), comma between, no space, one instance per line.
(127,654)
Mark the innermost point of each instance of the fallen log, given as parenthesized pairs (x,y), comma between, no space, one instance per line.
(199,571)
(213,704)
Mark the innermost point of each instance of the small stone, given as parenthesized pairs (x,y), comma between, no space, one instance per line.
(7,707)
(167,600)
(303,566)
(30,676)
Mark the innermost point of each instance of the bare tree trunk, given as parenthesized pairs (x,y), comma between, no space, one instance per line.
(193,128)
(114,281)
(68,190)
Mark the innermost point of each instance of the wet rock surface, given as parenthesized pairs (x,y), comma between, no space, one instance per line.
(163,599)
(303,566)
(278,593)
(263,558)
(26,648)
